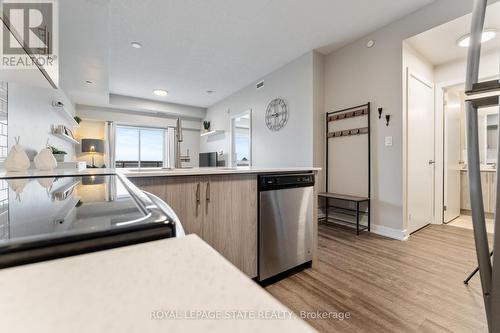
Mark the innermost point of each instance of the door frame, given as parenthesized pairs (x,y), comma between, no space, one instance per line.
(439,143)
(407,73)
(232,118)
(439,124)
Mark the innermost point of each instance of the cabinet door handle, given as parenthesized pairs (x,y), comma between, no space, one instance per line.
(208,192)
(198,193)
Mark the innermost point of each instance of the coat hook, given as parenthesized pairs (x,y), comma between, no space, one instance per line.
(380,113)
(387,119)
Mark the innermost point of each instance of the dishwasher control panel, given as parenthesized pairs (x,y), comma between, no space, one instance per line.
(276,181)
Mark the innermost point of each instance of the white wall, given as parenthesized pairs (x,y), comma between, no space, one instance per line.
(171,109)
(446,75)
(454,72)
(319,117)
(290,147)
(126,117)
(31,116)
(416,64)
(97,115)
(356,74)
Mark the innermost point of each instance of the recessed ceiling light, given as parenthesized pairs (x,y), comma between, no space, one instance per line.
(88,82)
(160,92)
(370,43)
(136,45)
(487,35)
(210,91)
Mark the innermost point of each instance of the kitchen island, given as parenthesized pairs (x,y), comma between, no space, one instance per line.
(152,172)
(174,285)
(178,284)
(218,204)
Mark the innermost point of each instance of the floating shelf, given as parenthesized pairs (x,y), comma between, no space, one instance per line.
(66,115)
(66,138)
(211,133)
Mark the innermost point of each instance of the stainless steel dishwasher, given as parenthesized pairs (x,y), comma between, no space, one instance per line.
(285,222)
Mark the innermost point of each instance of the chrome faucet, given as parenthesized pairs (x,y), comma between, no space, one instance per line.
(179,138)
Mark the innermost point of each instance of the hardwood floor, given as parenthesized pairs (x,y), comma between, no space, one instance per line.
(388,285)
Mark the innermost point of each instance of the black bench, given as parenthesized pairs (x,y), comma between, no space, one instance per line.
(346,211)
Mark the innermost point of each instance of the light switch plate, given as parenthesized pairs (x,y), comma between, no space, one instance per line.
(388,141)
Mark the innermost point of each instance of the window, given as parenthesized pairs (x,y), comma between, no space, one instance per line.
(139,147)
(242,148)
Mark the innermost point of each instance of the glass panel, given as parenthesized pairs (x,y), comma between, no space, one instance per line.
(151,148)
(48,208)
(242,144)
(127,147)
(242,148)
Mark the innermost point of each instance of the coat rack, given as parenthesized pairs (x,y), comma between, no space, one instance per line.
(355,201)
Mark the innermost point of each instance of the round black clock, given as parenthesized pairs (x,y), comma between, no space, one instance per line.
(277,114)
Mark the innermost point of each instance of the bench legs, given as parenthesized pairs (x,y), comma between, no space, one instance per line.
(357,214)
(357,218)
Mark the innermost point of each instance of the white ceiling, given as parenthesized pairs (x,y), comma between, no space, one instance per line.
(439,45)
(191,46)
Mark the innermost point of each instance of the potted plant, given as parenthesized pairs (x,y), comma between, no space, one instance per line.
(58,154)
(206,125)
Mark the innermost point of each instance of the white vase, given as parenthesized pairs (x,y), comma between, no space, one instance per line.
(45,160)
(17,160)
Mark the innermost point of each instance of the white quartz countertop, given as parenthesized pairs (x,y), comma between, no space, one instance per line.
(54,173)
(152,172)
(140,288)
(209,171)
(482,170)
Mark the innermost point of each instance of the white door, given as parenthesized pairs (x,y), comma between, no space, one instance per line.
(420,106)
(452,156)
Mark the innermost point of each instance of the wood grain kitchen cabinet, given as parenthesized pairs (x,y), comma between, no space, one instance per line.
(230,226)
(221,209)
(488,190)
(485,187)
(183,195)
(464,191)
(493,192)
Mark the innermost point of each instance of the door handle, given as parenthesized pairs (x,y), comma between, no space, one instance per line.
(208,192)
(432,162)
(197,198)
(198,193)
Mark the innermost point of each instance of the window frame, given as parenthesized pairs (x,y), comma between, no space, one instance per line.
(140,128)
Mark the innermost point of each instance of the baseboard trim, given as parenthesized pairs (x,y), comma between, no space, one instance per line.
(389,232)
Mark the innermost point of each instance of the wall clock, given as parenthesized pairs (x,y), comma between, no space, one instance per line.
(277,114)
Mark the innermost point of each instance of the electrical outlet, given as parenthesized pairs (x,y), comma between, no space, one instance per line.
(388,141)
